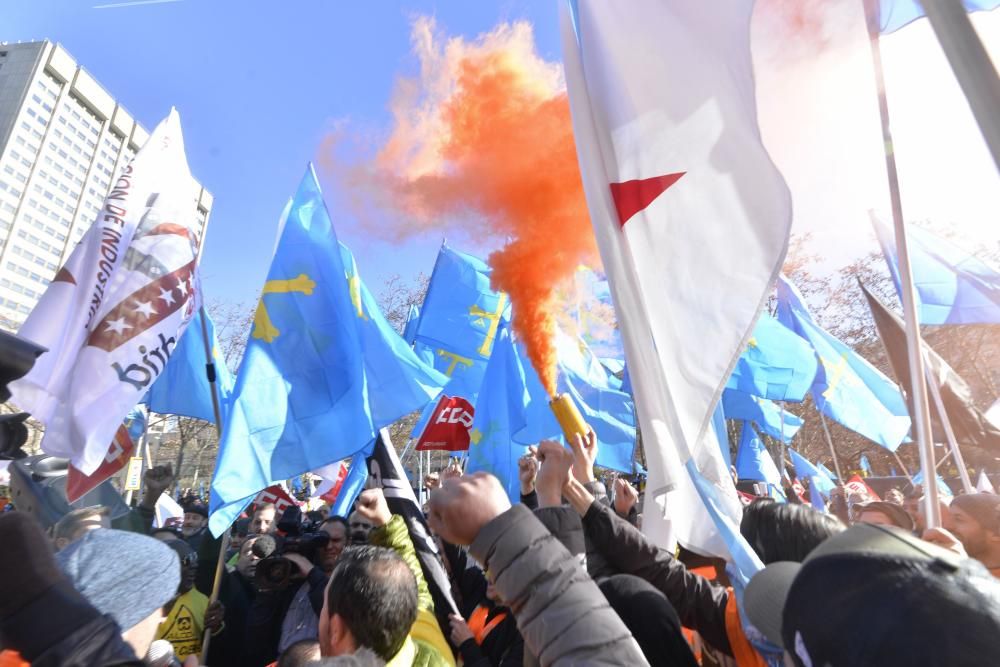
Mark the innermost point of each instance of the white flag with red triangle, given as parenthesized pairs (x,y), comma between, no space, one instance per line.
(692,220)
(113,314)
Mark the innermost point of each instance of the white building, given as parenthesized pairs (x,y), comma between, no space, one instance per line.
(63,140)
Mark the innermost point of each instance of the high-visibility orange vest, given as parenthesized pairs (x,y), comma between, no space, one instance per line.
(480,628)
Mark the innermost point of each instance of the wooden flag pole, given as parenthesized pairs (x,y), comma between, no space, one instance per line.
(833,452)
(221,562)
(922,418)
(903,466)
(971,64)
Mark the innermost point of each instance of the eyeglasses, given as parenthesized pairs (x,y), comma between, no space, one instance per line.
(191,560)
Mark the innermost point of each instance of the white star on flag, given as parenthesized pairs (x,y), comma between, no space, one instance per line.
(182,287)
(118,326)
(167,295)
(145,308)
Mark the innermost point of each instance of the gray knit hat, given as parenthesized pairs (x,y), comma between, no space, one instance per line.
(123,574)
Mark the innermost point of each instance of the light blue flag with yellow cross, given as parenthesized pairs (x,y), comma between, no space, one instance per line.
(458,323)
(322,371)
(847,388)
(777,364)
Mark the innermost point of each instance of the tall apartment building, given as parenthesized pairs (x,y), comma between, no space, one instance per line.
(63,141)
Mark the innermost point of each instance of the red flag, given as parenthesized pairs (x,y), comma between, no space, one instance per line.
(448,427)
(857,485)
(330,495)
(278,496)
(78,484)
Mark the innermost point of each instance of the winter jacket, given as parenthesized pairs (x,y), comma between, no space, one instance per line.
(425,645)
(702,605)
(560,611)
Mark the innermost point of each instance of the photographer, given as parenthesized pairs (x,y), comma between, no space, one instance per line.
(291,577)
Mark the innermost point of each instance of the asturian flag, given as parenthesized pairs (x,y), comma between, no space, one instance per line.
(113,314)
(692,220)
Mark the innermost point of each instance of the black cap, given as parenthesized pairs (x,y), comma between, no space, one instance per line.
(877,595)
(196,508)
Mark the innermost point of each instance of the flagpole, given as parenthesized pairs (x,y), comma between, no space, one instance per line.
(913,344)
(949,433)
(833,452)
(903,466)
(971,64)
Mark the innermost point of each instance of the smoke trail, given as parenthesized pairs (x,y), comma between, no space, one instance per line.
(482,139)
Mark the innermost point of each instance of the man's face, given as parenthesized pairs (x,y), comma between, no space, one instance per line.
(193,522)
(360,527)
(263,521)
(331,552)
(189,568)
(246,564)
(970,532)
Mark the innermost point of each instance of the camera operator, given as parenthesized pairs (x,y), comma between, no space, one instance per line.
(291,577)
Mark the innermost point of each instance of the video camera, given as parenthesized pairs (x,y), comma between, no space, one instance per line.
(275,572)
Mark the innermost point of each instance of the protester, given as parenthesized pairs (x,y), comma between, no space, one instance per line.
(894,496)
(360,528)
(195,524)
(263,520)
(878,596)
(626,500)
(784,531)
(377,599)
(339,533)
(237,591)
(885,514)
(166,534)
(975,520)
(98,606)
(300,654)
(76,523)
(189,613)
(560,611)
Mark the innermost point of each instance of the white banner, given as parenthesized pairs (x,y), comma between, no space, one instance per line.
(113,314)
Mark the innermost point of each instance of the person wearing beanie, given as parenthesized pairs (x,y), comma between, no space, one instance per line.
(975,520)
(127,576)
(195,524)
(42,616)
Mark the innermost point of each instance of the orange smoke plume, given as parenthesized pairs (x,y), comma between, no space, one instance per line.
(482,139)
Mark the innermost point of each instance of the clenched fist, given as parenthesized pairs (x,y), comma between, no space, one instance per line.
(460,509)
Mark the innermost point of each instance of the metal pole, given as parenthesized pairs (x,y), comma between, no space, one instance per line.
(963,472)
(922,418)
(781,446)
(833,453)
(971,64)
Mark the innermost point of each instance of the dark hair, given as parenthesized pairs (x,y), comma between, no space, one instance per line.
(375,594)
(338,519)
(785,531)
(299,654)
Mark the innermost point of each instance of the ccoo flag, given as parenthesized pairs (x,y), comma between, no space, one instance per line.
(895,14)
(847,388)
(183,388)
(777,364)
(692,220)
(113,313)
(953,286)
(321,369)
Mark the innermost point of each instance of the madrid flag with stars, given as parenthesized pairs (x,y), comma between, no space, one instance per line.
(692,220)
(113,314)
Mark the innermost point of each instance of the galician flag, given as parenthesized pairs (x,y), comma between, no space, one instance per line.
(692,220)
(113,314)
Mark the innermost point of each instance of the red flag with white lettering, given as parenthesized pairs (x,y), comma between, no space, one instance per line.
(276,495)
(857,485)
(449,425)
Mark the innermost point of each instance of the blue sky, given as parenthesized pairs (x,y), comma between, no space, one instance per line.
(257,84)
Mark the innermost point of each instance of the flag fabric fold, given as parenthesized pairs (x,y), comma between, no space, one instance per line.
(322,371)
(847,388)
(772,420)
(776,365)
(969,424)
(113,314)
(183,388)
(753,461)
(952,286)
(684,199)
(820,479)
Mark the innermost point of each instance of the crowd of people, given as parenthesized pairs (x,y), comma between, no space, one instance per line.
(564,576)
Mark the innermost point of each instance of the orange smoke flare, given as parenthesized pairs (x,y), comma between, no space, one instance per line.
(483,139)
